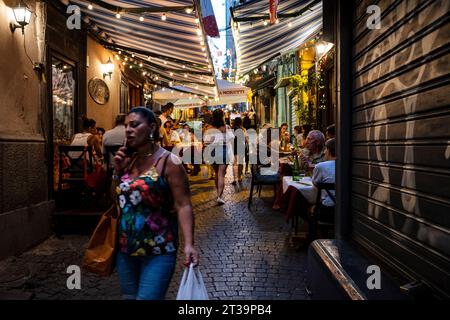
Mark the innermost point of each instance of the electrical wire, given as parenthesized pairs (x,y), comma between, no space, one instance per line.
(25,47)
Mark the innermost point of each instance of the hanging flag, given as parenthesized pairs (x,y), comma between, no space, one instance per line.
(209,20)
(273,6)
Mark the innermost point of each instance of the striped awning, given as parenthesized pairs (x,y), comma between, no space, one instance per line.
(168,52)
(257,41)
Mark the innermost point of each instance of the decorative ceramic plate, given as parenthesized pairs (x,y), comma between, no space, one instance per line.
(98,90)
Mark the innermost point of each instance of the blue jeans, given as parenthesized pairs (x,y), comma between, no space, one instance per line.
(145,278)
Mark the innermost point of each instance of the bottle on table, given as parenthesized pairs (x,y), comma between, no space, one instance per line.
(296,169)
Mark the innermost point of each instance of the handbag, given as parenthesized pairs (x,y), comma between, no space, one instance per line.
(97,178)
(192,286)
(100,253)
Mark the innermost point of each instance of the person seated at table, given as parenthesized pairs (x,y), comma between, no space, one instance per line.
(88,137)
(314,151)
(172,135)
(284,137)
(298,136)
(306,129)
(324,172)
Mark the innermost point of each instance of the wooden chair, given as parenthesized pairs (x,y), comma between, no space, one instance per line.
(260,180)
(322,216)
(74,162)
(110,152)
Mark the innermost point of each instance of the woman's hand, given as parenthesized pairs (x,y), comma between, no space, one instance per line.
(121,160)
(191,255)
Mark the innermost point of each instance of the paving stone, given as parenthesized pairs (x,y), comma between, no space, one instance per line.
(245,254)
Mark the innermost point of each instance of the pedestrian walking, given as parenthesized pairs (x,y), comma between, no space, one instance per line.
(148,177)
(219,140)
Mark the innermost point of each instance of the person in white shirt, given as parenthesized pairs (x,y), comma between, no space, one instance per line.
(115,136)
(324,172)
(219,138)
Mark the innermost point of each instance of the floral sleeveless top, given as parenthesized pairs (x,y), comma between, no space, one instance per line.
(147,225)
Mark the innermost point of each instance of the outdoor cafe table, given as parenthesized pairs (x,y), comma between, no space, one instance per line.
(305,186)
(298,196)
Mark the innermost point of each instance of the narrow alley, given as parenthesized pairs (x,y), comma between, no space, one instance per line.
(245,254)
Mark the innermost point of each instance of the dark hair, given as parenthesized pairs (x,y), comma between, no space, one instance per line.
(217,118)
(120,119)
(331,146)
(331,130)
(99,129)
(88,123)
(168,121)
(237,123)
(307,128)
(167,106)
(298,129)
(149,116)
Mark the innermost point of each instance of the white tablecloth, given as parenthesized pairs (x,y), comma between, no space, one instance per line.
(308,190)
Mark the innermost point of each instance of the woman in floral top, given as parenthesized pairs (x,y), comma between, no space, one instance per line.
(148,177)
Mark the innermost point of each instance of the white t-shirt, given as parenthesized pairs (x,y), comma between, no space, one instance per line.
(115,136)
(324,172)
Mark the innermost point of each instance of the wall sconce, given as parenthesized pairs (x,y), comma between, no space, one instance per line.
(22,15)
(108,68)
(323,47)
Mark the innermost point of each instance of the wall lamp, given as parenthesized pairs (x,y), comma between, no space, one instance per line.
(108,69)
(22,15)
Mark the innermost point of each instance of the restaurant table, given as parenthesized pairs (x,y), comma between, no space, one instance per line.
(297,199)
(305,186)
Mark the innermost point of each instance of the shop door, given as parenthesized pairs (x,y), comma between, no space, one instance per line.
(63,107)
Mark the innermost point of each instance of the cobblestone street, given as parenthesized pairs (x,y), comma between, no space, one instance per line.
(245,254)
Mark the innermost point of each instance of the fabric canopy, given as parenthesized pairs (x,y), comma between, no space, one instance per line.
(171,51)
(228,93)
(257,43)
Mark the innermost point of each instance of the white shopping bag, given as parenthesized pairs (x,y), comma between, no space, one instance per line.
(192,286)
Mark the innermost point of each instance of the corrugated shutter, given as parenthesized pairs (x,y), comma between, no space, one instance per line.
(401,137)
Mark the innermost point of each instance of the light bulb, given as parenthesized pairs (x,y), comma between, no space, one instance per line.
(163,17)
(90,7)
(141,19)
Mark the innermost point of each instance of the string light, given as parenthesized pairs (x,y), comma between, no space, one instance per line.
(144,73)
(185,75)
(156,78)
(132,55)
(118,15)
(171,73)
(170,83)
(90,7)
(199,32)
(126,59)
(184,67)
(163,17)
(140,65)
(277,21)
(141,19)
(188,10)
(131,67)
(197,21)
(149,58)
(290,24)
(165,62)
(265,23)
(120,52)
(124,63)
